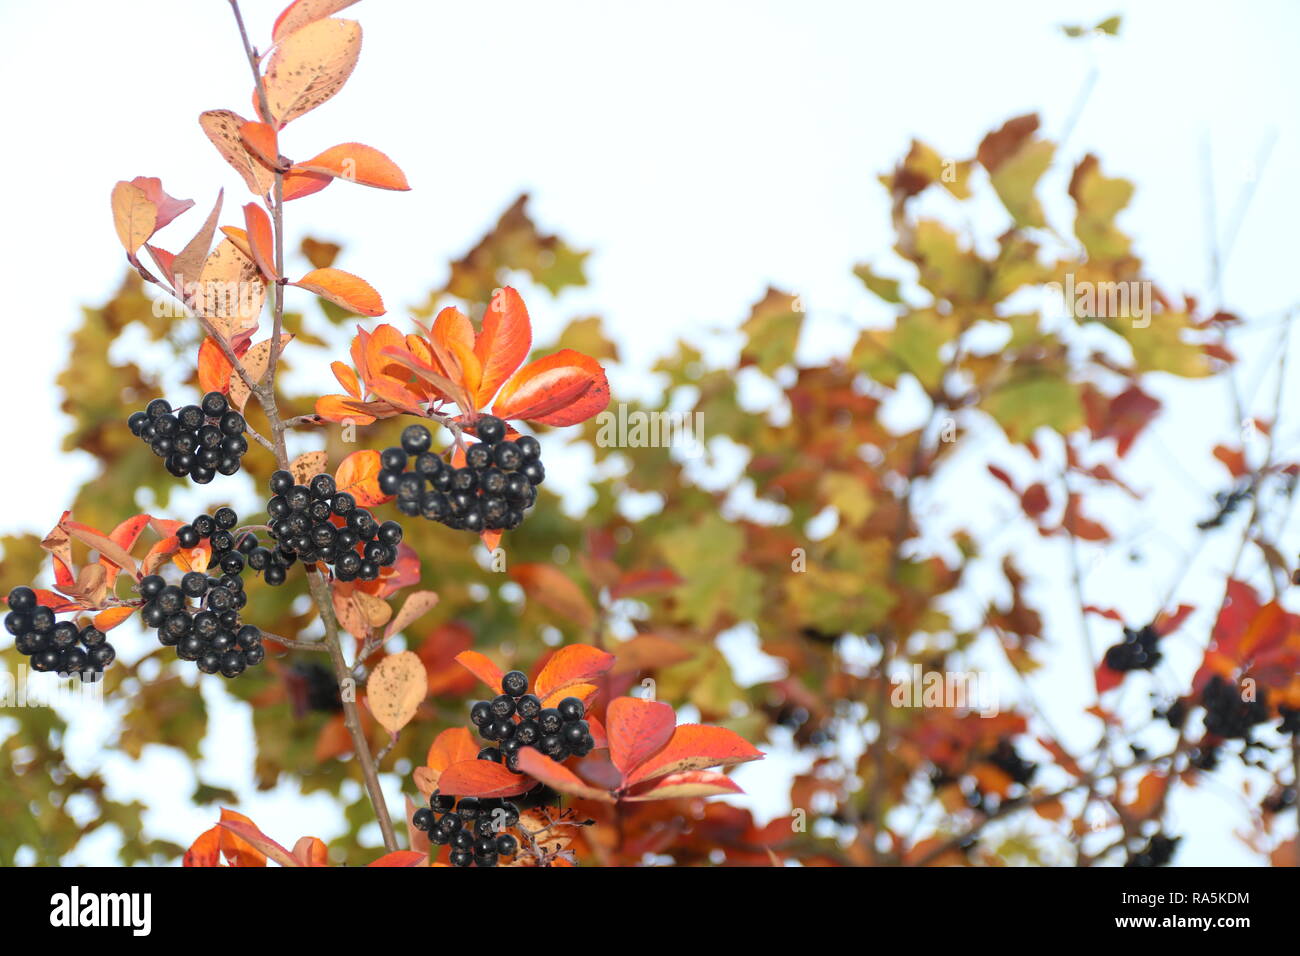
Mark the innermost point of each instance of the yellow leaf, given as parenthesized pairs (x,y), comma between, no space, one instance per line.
(395,689)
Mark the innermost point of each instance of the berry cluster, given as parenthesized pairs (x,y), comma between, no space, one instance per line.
(1005,758)
(492,492)
(54,645)
(200,441)
(517,719)
(210,633)
(1158,851)
(317,522)
(474,826)
(1227,713)
(1137,652)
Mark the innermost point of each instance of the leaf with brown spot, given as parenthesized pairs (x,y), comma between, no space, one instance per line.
(307,466)
(255,362)
(309,66)
(222,127)
(395,690)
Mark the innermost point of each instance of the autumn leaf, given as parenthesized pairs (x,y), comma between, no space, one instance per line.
(563,388)
(111,617)
(255,362)
(343,289)
(570,665)
(358,475)
(223,129)
(300,13)
(395,689)
(307,466)
(357,163)
(503,343)
(637,729)
(261,238)
(309,66)
(553,589)
(482,778)
(693,747)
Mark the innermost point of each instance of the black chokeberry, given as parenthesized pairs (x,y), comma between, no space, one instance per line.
(478,457)
(416,440)
(549,720)
(480,714)
(571,709)
(529,705)
(503,706)
(515,684)
(490,428)
(422,819)
(392,459)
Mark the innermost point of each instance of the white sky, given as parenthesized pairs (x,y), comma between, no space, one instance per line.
(703,150)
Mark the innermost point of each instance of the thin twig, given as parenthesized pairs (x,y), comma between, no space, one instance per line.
(316,582)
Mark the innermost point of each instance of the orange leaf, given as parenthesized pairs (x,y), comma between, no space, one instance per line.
(574,664)
(107,547)
(260,139)
(358,475)
(1150,791)
(553,589)
(309,66)
(311,851)
(583,692)
(695,747)
(302,12)
(449,747)
(222,127)
(261,239)
(637,729)
(357,163)
(347,378)
(343,289)
(503,343)
(255,361)
(401,858)
(299,182)
(342,408)
(482,668)
(692,783)
(540,767)
(482,778)
(561,389)
(111,617)
(206,850)
(251,843)
(238,851)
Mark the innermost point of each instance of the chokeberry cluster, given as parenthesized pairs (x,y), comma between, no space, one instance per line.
(317,522)
(1227,713)
(1158,851)
(473,826)
(54,645)
(210,631)
(493,491)
(1137,652)
(201,441)
(516,719)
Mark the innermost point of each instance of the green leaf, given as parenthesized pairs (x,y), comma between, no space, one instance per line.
(1034,399)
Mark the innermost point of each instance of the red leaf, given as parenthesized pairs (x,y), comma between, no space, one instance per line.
(206,850)
(482,778)
(561,389)
(311,851)
(642,582)
(503,343)
(637,729)
(692,783)
(540,767)
(237,850)
(695,747)
(574,664)
(1233,459)
(1167,623)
